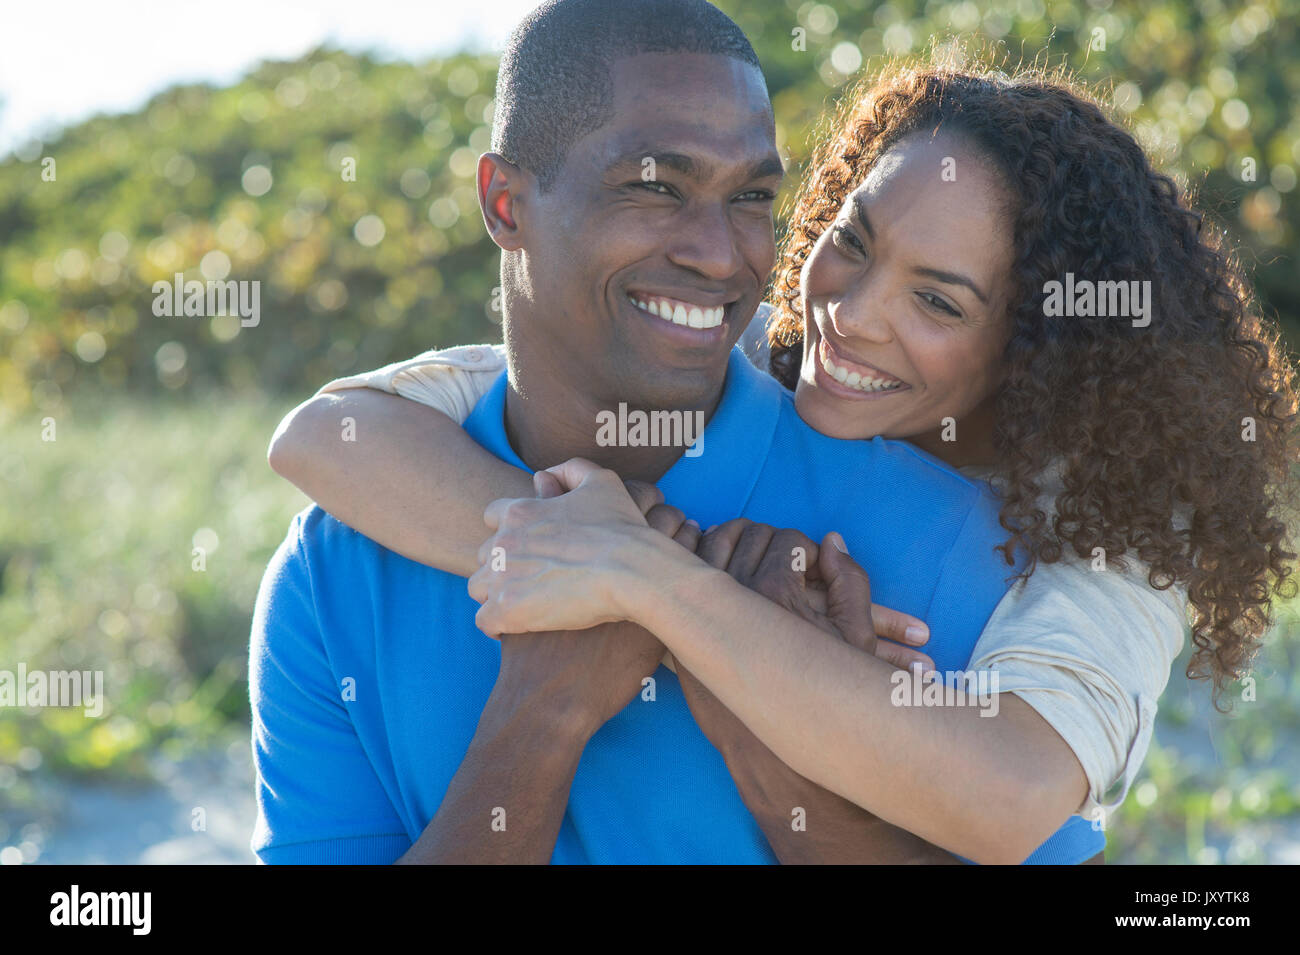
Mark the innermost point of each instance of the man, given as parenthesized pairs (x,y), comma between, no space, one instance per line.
(634,161)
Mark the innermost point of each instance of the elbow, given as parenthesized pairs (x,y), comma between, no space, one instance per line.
(289,449)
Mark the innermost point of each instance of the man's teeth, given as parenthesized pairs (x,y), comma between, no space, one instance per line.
(856,380)
(681,313)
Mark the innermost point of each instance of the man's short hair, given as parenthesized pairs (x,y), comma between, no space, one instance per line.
(555,86)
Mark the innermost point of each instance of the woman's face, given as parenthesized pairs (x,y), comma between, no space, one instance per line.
(905,298)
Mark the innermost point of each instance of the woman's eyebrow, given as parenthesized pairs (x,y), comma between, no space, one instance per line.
(953,278)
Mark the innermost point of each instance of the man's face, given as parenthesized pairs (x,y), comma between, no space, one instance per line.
(666,209)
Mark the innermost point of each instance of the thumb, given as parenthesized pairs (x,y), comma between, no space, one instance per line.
(848,593)
(573,472)
(547,484)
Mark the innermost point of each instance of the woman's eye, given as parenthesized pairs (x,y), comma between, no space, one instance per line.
(938,304)
(843,236)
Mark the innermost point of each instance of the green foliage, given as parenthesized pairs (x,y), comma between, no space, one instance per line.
(1205,85)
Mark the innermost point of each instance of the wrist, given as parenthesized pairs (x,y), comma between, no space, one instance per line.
(562,715)
(651,563)
(678,584)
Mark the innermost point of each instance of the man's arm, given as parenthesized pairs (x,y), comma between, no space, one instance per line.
(554,691)
(808,825)
(804,823)
(506,802)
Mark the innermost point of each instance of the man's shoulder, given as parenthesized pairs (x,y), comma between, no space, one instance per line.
(895,466)
(316,535)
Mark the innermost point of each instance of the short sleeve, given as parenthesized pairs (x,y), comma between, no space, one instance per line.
(1090,651)
(319,799)
(451,380)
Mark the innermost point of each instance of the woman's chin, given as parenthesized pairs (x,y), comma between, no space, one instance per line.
(832,416)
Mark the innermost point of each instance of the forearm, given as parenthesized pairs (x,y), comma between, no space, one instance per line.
(508,798)
(989,788)
(808,825)
(400,472)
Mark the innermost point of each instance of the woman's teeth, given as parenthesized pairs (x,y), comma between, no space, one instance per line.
(856,380)
(680,313)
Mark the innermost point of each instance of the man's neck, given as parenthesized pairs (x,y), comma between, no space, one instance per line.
(548,421)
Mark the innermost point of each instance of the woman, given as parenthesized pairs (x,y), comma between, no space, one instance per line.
(1117,443)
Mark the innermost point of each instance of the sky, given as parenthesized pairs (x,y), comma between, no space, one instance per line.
(63,62)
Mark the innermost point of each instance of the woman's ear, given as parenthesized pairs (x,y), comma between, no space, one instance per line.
(502,191)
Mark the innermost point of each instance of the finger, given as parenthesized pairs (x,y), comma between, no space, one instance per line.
(902,657)
(787,553)
(848,593)
(688,535)
(574,471)
(898,626)
(718,543)
(477,585)
(496,510)
(666,519)
(485,621)
(749,551)
(644,495)
(547,484)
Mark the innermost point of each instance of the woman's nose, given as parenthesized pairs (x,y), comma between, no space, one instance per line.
(860,317)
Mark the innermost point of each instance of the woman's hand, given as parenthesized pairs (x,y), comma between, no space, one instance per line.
(572,561)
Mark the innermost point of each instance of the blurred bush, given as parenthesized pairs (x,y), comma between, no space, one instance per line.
(248,183)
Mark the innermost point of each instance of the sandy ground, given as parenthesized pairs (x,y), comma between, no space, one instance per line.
(155,824)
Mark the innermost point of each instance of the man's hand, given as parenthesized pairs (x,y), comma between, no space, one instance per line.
(803,822)
(587,675)
(823,585)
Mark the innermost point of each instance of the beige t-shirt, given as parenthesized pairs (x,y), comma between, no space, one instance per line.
(1089,649)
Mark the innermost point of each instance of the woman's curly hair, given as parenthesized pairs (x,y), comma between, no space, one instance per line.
(1175,440)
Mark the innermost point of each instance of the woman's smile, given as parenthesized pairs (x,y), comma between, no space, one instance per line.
(855,378)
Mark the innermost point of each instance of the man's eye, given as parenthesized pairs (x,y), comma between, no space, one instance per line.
(938,304)
(757,195)
(658,188)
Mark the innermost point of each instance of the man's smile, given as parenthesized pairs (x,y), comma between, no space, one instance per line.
(678,311)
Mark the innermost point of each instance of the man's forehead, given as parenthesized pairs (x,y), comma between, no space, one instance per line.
(688,81)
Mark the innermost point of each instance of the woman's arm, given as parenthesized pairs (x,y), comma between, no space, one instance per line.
(412,479)
(989,784)
(990,788)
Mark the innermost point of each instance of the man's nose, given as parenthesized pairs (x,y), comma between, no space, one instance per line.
(707,243)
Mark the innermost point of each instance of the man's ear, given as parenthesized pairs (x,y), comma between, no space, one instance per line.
(503,188)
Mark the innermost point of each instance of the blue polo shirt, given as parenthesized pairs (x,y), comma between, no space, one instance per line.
(367,675)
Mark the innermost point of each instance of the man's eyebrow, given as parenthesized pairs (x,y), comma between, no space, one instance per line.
(951,278)
(768,167)
(679,162)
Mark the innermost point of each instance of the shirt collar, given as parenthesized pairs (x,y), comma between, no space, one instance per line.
(713,485)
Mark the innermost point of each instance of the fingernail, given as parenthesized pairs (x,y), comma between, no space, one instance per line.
(692,523)
(838,543)
(915,634)
(709,529)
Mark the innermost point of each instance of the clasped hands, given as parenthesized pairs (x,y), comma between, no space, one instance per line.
(566,577)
